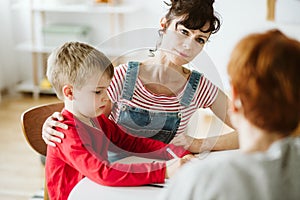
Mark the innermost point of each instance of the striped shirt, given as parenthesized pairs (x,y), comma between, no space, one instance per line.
(205,95)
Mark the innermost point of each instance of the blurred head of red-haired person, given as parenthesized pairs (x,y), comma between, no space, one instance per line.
(264,71)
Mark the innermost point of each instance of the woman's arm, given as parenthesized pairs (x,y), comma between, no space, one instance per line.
(217,143)
(220,142)
(220,108)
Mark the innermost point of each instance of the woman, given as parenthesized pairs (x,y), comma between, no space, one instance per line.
(156,98)
(264,71)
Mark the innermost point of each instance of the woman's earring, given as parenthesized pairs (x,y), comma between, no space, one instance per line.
(158,43)
(151,52)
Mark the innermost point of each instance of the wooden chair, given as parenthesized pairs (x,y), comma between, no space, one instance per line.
(32,121)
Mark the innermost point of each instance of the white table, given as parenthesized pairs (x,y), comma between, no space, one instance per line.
(87,189)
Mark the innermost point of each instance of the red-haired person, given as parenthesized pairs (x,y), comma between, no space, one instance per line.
(264,73)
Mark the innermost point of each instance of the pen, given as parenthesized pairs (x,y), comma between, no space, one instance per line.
(155,185)
(171,153)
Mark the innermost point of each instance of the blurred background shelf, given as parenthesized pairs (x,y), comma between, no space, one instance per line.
(27,86)
(28,46)
(54,22)
(85,8)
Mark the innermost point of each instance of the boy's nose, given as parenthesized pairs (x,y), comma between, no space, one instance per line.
(105,97)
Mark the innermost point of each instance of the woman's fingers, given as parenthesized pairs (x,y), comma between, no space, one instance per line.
(48,142)
(53,123)
(49,134)
(187,158)
(58,116)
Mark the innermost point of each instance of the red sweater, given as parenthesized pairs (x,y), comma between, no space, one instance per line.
(83,152)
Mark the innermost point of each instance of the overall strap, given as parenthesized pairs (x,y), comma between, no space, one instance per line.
(190,88)
(130,80)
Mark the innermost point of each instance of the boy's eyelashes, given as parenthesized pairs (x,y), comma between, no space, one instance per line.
(98,91)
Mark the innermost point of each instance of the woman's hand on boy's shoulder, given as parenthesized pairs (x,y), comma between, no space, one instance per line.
(49,134)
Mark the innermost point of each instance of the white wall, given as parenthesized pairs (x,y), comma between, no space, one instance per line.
(8,66)
(239,17)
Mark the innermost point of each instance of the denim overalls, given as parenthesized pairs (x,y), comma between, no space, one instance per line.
(160,126)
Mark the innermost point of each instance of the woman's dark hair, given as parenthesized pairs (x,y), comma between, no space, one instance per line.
(195,14)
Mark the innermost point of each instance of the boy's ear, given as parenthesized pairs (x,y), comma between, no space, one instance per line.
(68,92)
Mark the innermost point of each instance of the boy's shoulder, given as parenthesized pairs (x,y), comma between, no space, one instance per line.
(69,118)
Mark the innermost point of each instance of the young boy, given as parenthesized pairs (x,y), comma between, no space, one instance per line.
(80,75)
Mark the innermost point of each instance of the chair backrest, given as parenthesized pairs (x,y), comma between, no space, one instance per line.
(32,121)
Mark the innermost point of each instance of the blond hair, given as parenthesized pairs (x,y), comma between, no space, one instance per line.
(264,69)
(73,63)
